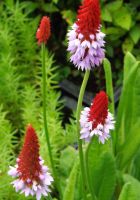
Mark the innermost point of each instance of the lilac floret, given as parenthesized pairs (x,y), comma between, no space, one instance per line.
(86,54)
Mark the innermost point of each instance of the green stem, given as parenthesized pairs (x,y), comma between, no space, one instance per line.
(110,93)
(81,156)
(92,192)
(109,84)
(44,110)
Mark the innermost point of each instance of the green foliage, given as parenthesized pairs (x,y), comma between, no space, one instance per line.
(8,135)
(67,158)
(130,147)
(127,141)
(109,91)
(131,189)
(122,25)
(9,80)
(70,188)
(30,106)
(128,97)
(8,141)
(135,166)
(123,20)
(101,170)
(129,193)
(70,130)
(135,34)
(122,32)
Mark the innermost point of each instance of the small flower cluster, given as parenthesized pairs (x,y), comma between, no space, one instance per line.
(97,120)
(32,176)
(44,30)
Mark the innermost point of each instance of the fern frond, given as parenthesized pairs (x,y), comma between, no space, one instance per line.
(6,135)
(30,107)
(8,141)
(70,132)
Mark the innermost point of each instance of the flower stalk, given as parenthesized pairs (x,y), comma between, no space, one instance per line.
(81,155)
(91,189)
(44,109)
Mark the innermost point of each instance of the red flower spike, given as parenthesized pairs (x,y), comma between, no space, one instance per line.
(28,162)
(88,18)
(99,109)
(44,30)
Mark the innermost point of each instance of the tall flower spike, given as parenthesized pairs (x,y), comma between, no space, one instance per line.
(32,177)
(85,40)
(44,30)
(96,119)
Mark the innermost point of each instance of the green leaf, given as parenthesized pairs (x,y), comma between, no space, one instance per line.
(131,179)
(136,98)
(9,3)
(110,50)
(106,16)
(128,45)
(109,90)
(135,170)
(30,6)
(71,184)
(128,193)
(69,16)
(131,189)
(67,159)
(50,7)
(132,95)
(109,85)
(101,170)
(113,6)
(114,33)
(129,61)
(125,108)
(130,147)
(135,33)
(122,18)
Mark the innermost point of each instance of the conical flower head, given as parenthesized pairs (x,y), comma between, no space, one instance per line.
(44,30)
(32,177)
(98,110)
(28,165)
(97,120)
(88,18)
(86,41)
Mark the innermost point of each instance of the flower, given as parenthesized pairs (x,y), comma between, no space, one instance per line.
(32,176)
(96,119)
(44,30)
(85,40)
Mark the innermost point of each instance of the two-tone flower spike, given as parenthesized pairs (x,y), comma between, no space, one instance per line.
(32,177)
(96,120)
(85,40)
